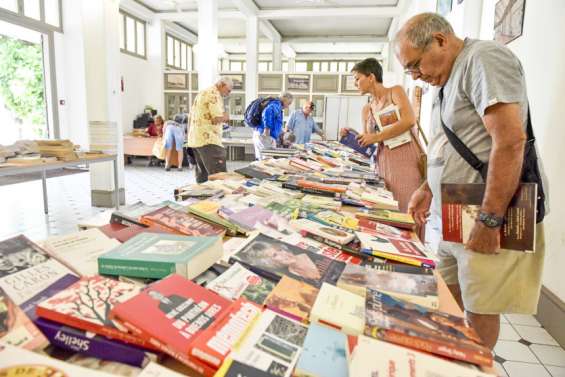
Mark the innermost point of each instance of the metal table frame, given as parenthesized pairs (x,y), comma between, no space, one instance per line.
(43,168)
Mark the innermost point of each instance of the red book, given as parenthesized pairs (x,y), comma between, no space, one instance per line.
(176,312)
(86,305)
(216,342)
(179,222)
(123,233)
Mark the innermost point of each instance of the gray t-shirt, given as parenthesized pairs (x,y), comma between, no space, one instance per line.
(484,73)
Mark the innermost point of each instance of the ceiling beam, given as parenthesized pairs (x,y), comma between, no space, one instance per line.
(185,15)
(249,9)
(136,9)
(337,39)
(293,13)
(394,25)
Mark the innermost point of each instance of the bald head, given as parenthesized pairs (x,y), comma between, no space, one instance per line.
(419,30)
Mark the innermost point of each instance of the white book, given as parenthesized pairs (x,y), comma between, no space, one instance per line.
(387,116)
(96,221)
(80,250)
(339,309)
(16,361)
(403,361)
(155,370)
(336,235)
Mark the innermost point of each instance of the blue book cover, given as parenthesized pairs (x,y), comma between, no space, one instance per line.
(350,140)
(323,354)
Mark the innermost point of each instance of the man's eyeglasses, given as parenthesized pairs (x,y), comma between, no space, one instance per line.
(414,67)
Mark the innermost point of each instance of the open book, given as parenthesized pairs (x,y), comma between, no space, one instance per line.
(387,116)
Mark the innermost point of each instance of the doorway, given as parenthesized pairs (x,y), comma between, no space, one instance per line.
(23,105)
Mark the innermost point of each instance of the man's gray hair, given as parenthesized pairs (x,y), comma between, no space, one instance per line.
(226,80)
(288,96)
(418,31)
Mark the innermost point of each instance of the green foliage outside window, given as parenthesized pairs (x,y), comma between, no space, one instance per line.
(21,79)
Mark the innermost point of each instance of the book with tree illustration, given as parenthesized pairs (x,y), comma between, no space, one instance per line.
(87,304)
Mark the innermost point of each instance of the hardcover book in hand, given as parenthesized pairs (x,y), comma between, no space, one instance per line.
(350,140)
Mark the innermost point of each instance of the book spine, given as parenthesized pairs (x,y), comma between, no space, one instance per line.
(117,218)
(313,191)
(439,348)
(75,340)
(108,332)
(160,226)
(398,258)
(203,369)
(153,270)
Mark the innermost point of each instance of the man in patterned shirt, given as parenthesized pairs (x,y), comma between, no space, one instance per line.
(205,131)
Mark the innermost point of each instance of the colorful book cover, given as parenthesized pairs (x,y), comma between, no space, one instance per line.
(250,216)
(274,259)
(129,215)
(181,223)
(89,344)
(15,361)
(150,255)
(292,298)
(350,140)
(86,305)
(16,328)
(384,216)
(207,210)
(176,311)
(321,202)
(392,243)
(233,368)
(415,326)
(420,289)
(217,341)
(461,204)
(323,354)
(333,234)
(273,344)
(237,281)
(339,309)
(80,250)
(30,275)
(402,361)
(287,212)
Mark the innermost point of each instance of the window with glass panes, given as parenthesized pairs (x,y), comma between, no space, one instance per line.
(133,39)
(179,53)
(46,12)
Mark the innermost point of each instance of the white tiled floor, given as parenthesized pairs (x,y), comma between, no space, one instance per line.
(524,349)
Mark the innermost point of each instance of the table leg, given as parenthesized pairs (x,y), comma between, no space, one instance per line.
(44,183)
(116,186)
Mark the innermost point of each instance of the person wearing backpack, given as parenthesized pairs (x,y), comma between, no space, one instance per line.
(481,113)
(269,125)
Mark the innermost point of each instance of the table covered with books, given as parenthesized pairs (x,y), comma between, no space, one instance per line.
(296,266)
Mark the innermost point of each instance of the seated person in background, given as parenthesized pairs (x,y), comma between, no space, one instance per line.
(268,132)
(156,128)
(174,137)
(301,124)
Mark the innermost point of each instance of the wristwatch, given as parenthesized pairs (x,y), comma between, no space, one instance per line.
(490,219)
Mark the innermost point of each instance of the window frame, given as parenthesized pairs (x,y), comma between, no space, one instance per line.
(125,33)
(188,48)
(38,25)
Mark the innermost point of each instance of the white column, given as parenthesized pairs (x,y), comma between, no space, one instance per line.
(252,54)
(207,64)
(103,99)
(277,55)
(291,64)
(472,15)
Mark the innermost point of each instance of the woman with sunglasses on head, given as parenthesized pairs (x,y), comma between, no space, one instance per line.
(398,166)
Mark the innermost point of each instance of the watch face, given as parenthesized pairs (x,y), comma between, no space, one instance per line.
(491,222)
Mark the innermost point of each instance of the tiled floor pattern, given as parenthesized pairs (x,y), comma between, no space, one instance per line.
(524,349)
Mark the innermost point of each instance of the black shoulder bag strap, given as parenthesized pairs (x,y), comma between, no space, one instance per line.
(530,169)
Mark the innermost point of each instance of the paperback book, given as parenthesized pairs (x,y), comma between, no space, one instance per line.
(180,223)
(292,298)
(273,344)
(233,368)
(386,117)
(333,234)
(80,250)
(350,140)
(273,259)
(392,218)
(419,289)
(461,204)
(415,326)
(339,309)
(86,305)
(237,281)
(150,255)
(323,354)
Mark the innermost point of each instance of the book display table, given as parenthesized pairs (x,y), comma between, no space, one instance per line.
(43,168)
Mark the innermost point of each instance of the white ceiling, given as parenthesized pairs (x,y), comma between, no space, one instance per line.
(323,29)
(283,4)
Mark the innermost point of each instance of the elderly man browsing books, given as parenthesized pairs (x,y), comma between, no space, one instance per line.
(482,101)
(301,124)
(205,133)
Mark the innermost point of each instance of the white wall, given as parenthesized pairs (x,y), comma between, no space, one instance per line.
(143,78)
(540,48)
